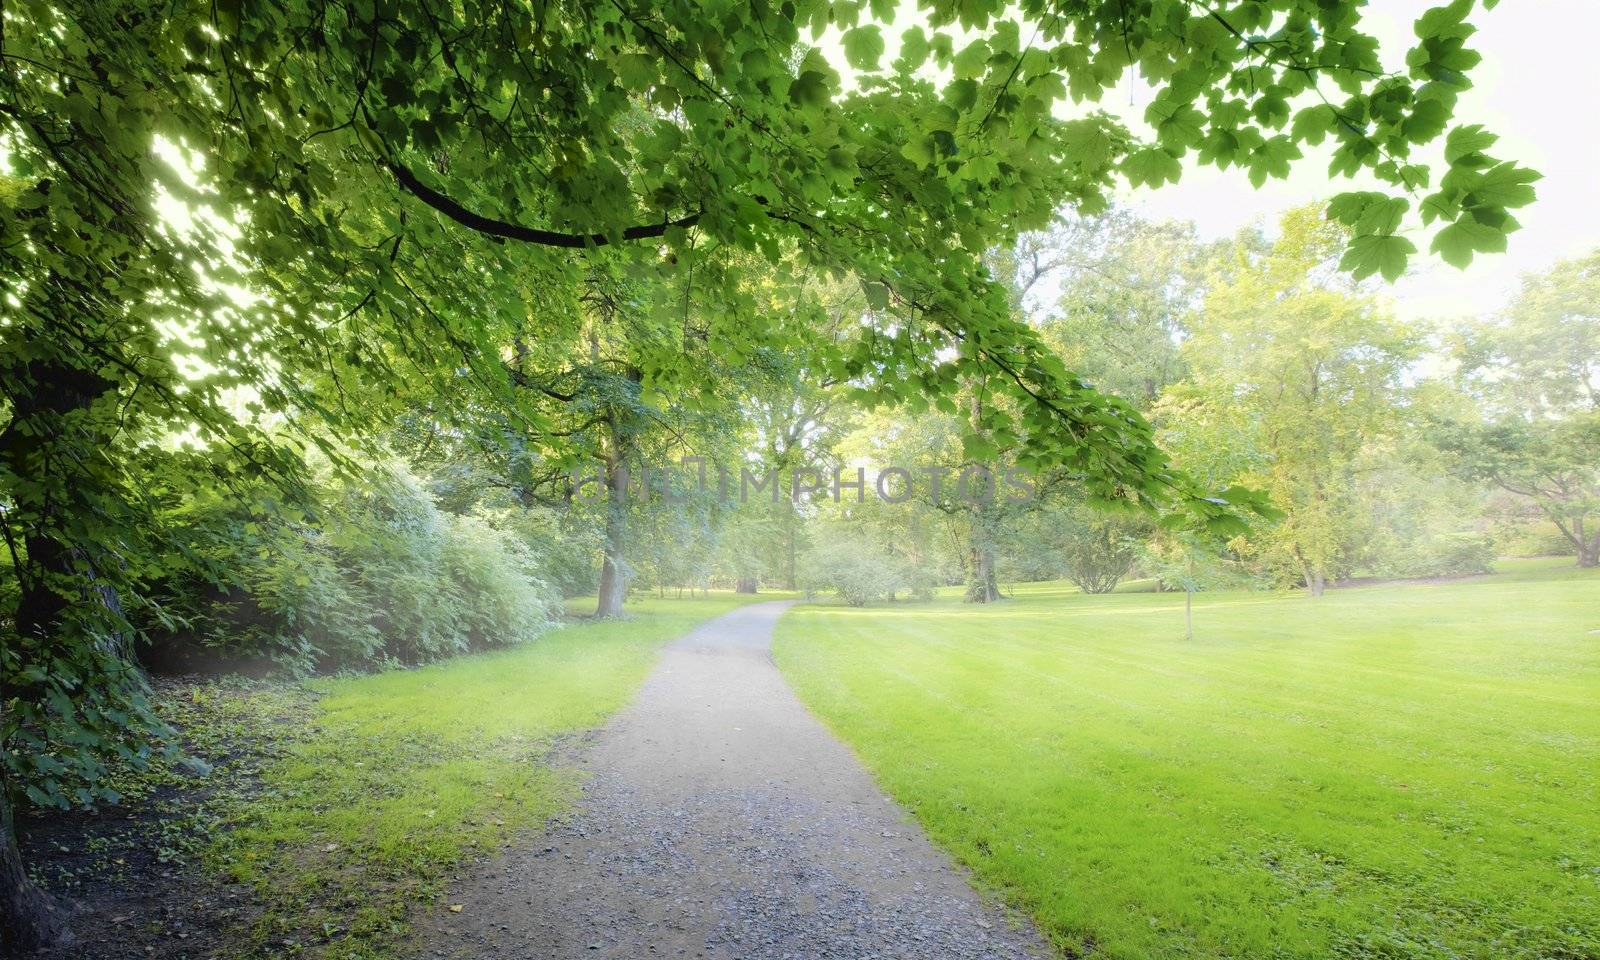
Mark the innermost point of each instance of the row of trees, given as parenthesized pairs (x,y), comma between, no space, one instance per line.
(1259,364)
(1385,448)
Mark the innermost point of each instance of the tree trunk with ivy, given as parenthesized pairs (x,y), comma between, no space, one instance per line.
(982,584)
(45,451)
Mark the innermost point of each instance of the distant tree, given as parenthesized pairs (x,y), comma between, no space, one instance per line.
(1534,376)
(855,569)
(747,532)
(927,534)
(1190,559)
(1099,549)
(1063,536)
(1126,289)
(1294,374)
(1544,352)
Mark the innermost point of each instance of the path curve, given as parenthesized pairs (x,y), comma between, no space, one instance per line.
(721,820)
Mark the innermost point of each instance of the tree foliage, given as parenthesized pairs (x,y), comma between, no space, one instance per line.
(1534,376)
(1296,375)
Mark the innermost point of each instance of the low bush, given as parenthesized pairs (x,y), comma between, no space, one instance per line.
(374,574)
(858,572)
(1536,539)
(1445,555)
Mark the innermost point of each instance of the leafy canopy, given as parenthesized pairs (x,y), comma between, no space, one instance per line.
(401,159)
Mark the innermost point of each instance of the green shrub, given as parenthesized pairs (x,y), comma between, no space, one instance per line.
(374,574)
(857,572)
(1445,555)
(499,599)
(390,538)
(1537,539)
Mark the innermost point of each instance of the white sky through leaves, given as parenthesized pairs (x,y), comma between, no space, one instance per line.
(1537,88)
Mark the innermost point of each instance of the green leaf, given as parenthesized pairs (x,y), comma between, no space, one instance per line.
(1312,124)
(1371,254)
(863,47)
(913,49)
(636,71)
(810,89)
(918,150)
(1506,185)
(1382,216)
(1178,125)
(970,62)
(1272,159)
(1151,166)
(1426,122)
(1349,207)
(1464,141)
(1457,243)
(978,448)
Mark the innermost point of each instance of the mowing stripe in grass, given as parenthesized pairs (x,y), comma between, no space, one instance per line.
(1388,771)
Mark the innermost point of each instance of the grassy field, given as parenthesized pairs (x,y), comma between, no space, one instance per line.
(1393,771)
(401,774)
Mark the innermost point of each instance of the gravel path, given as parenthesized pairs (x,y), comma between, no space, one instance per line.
(721,820)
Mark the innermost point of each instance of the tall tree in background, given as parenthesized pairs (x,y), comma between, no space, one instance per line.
(1534,376)
(1294,372)
(1126,290)
(796,412)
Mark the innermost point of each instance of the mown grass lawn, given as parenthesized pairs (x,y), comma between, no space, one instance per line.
(1394,771)
(400,775)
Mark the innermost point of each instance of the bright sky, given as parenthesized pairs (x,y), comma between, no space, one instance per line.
(1537,87)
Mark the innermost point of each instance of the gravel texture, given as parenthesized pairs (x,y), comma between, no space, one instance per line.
(721,820)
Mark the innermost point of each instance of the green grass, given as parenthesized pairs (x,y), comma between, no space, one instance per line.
(1393,771)
(402,774)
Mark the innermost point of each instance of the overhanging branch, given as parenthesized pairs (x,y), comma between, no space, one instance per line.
(516,231)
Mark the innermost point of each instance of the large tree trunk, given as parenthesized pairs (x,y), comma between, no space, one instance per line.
(50,430)
(1588,546)
(614,564)
(982,586)
(28,919)
(745,585)
(1311,574)
(621,437)
(1573,528)
(790,547)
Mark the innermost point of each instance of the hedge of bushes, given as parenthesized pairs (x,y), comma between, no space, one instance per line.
(374,573)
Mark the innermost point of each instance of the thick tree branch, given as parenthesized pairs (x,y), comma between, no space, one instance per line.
(515,231)
(528,383)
